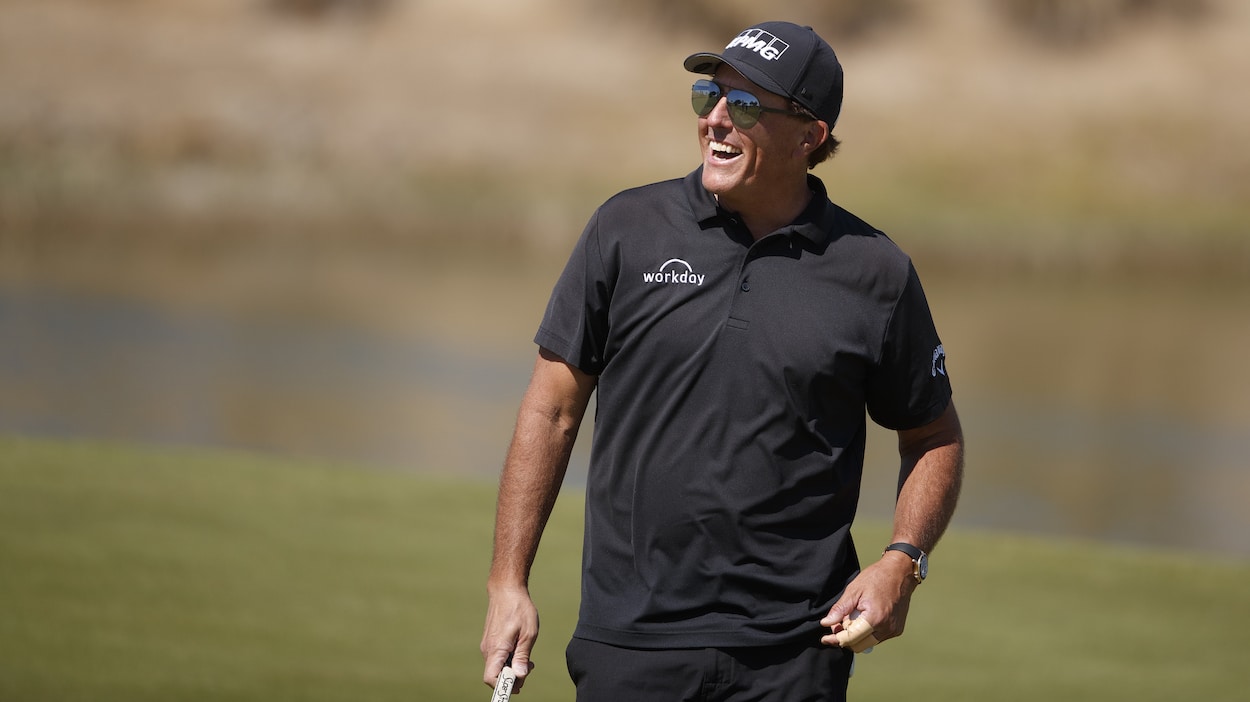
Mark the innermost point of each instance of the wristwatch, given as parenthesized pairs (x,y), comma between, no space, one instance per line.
(919,559)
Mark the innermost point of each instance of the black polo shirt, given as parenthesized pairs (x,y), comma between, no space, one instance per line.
(733,378)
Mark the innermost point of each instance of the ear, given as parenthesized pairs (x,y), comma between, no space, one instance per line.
(815,135)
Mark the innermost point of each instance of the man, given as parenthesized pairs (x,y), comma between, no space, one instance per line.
(736,325)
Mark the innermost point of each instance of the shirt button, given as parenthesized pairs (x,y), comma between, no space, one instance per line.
(746,286)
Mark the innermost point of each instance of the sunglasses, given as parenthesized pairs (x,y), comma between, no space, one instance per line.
(744,108)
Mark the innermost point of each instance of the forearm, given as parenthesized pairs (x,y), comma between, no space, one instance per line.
(927,500)
(533,472)
(930,479)
(546,429)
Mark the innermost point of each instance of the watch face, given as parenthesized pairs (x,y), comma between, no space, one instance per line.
(924,567)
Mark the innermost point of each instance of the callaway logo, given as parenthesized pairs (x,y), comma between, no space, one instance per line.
(939,362)
(675,271)
(761,42)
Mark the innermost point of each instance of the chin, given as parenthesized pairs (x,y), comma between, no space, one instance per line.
(718,182)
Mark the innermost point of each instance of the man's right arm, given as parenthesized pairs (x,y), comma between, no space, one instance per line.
(550,415)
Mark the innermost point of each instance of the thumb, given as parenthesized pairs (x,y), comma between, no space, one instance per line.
(840,610)
(521,669)
(521,664)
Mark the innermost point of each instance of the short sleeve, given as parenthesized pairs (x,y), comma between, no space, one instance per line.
(909,387)
(575,324)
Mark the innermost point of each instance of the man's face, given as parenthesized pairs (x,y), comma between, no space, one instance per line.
(745,166)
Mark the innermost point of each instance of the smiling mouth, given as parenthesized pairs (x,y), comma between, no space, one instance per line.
(724,152)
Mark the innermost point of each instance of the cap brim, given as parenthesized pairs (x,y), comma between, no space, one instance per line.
(707,64)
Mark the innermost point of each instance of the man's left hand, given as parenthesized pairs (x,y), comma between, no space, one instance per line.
(881,593)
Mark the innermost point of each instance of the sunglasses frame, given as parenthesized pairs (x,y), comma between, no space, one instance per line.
(744,108)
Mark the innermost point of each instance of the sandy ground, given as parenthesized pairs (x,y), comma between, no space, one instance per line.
(522,84)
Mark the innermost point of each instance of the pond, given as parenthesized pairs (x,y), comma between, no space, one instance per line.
(1102,410)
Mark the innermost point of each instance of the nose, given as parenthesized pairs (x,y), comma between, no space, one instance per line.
(719,116)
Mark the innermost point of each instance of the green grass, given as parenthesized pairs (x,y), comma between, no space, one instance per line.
(144,574)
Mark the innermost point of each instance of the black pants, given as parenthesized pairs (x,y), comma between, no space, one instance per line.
(792,673)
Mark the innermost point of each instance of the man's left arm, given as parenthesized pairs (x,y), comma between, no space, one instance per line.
(929,482)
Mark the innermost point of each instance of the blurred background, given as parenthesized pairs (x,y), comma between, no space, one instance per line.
(327,228)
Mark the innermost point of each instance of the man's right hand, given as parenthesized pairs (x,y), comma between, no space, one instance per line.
(511,630)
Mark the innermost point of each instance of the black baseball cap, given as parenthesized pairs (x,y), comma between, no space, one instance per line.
(786,59)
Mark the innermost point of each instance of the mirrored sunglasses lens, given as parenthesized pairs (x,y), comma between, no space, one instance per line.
(703,97)
(744,109)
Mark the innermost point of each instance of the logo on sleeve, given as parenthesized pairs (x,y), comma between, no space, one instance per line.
(939,362)
(674,271)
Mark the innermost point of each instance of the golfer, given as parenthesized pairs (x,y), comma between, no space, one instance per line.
(737,327)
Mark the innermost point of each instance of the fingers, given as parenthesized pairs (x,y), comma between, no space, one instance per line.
(855,634)
(504,686)
(508,682)
(495,662)
(865,644)
(510,633)
(519,663)
(840,610)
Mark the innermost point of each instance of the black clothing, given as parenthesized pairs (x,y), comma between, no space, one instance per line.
(733,378)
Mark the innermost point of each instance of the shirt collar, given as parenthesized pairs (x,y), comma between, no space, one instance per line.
(813,224)
(703,203)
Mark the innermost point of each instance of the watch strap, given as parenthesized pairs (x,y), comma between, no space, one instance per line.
(919,561)
(911,551)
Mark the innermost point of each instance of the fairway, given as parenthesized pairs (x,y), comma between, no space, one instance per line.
(159,574)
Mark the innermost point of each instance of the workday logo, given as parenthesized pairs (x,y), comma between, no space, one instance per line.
(767,45)
(674,271)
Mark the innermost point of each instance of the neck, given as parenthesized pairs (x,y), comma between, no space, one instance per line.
(765,215)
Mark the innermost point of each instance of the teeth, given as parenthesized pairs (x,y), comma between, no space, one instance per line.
(725,148)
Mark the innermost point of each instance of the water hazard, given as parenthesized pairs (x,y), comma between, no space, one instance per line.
(1110,413)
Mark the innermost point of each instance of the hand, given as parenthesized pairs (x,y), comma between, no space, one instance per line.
(855,633)
(510,632)
(881,593)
